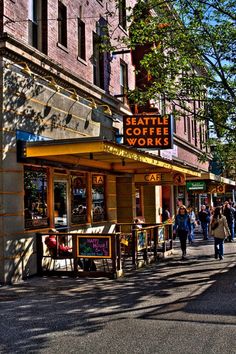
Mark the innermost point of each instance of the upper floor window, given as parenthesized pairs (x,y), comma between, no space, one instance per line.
(62,24)
(185,123)
(123,80)
(38,28)
(122,14)
(81,39)
(98,62)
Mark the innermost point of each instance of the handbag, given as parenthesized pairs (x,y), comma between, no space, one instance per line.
(214,225)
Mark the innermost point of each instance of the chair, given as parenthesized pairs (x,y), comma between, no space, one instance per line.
(52,244)
(55,257)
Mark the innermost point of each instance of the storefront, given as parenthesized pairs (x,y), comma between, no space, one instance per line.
(210,189)
(95,181)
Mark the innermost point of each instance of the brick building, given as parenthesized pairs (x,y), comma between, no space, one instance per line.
(61,113)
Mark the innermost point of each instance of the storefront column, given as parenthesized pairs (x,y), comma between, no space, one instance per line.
(152,199)
(125,190)
(111,199)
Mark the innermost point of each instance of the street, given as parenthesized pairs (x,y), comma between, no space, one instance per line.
(172,306)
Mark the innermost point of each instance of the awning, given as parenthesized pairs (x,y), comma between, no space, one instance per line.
(102,154)
(211,177)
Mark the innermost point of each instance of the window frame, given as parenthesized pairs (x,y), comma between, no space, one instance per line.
(38,30)
(81,39)
(62,24)
(122,14)
(123,80)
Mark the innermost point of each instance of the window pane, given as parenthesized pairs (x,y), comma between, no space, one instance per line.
(98,198)
(62,24)
(122,13)
(81,39)
(60,203)
(35,200)
(78,200)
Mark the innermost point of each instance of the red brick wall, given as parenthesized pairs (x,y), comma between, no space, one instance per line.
(67,57)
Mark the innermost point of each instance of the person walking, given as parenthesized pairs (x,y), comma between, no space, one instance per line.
(219,230)
(229,214)
(192,217)
(182,228)
(204,219)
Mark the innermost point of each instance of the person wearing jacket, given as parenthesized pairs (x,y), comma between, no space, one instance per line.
(182,227)
(204,219)
(219,230)
(192,217)
(55,246)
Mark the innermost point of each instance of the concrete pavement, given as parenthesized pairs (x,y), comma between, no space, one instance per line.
(171,306)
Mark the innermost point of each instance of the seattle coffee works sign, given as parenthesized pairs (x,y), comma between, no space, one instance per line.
(148,131)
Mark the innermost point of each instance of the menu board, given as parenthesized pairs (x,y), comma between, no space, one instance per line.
(94,247)
(141,240)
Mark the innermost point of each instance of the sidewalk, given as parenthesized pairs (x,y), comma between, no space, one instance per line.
(200,250)
(171,306)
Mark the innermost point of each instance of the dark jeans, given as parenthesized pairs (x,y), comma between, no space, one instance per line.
(204,226)
(183,239)
(231,227)
(219,247)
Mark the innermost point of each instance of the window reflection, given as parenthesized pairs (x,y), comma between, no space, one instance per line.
(35,198)
(98,198)
(60,203)
(78,200)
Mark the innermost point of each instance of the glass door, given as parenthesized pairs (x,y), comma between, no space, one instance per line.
(60,203)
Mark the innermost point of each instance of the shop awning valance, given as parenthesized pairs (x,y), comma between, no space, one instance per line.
(211,177)
(102,154)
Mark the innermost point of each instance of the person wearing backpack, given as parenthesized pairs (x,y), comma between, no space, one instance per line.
(182,228)
(219,230)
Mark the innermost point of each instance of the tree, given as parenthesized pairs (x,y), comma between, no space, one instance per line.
(191,58)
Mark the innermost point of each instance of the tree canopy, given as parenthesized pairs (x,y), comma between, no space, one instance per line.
(191,56)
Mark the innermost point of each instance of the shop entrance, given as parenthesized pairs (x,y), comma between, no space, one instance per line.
(60,203)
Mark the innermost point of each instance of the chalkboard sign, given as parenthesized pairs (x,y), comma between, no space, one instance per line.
(141,240)
(94,246)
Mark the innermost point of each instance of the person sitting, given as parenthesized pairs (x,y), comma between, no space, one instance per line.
(55,247)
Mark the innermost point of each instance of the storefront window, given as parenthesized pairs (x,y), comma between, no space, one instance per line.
(60,203)
(78,200)
(98,198)
(35,199)
(138,201)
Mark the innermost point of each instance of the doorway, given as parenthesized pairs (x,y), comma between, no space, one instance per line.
(60,203)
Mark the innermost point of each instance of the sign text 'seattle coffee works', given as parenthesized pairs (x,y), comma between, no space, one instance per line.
(148,131)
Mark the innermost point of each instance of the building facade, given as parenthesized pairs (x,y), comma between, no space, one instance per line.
(62,108)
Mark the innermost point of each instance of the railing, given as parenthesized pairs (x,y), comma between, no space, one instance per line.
(143,245)
(104,254)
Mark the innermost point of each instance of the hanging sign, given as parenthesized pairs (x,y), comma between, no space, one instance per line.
(148,131)
(196,186)
(178,179)
(220,189)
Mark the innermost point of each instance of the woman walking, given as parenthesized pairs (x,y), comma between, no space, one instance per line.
(192,217)
(219,230)
(182,227)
